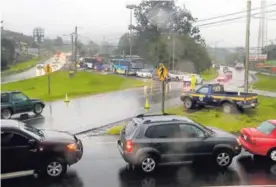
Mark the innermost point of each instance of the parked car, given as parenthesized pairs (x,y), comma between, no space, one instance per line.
(222,78)
(132,72)
(260,140)
(214,95)
(40,66)
(176,75)
(46,152)
(15,102)
(239,66)
(229,74)
(170,138)
(225,69)
(146,73)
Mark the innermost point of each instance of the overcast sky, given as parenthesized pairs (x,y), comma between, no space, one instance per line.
(97,20)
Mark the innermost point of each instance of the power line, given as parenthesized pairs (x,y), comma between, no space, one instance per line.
(232,14)
(230,19)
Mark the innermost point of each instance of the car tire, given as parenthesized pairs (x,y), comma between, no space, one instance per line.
(228,108)
(6,113)
(148,163)
(188,103)
(54,168)
(272,155)
(38,108)
(223,158)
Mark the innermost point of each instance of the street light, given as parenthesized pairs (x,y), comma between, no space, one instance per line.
(131,7)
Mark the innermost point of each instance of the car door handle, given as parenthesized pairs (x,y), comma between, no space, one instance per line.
(33,150)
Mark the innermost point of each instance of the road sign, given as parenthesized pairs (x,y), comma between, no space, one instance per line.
(48,69)
(162,72)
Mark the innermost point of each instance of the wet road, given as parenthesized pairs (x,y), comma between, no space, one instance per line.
(102,166)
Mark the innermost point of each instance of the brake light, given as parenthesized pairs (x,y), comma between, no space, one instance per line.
(129,146)
(72,147)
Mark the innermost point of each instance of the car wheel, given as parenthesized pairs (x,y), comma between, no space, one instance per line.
(228,108)
(6,113)
(223,158)
(188,103)
(55,168)
(272,155)
(38,108)
(148,164)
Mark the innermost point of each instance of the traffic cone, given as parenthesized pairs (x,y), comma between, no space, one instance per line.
(147,105)
(66,99)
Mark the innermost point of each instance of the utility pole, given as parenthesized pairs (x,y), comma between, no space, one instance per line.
(173,39)
(247,38)
(72,43)
(76,47)
(131,7)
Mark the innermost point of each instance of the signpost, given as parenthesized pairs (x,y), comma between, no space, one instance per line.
(162,73)
(48,69)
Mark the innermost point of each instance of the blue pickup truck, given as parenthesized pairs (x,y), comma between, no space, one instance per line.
(214,95)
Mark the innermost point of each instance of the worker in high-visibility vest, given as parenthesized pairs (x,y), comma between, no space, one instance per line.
(193,82)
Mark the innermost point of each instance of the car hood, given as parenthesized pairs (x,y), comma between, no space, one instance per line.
(221,133)
(58,136)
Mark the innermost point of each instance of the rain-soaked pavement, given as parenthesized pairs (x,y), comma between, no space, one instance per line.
(102,166)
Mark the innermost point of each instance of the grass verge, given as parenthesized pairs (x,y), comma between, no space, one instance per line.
(22,66)
(84,83)
(265,82)
(232,123)
(209,74)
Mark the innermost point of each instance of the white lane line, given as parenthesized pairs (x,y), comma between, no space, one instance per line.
(17,174)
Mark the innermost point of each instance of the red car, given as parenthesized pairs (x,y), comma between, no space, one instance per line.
(260,140)
(222,79)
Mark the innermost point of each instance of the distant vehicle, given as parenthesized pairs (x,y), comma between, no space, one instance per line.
(40,66)
(121,66)
(15,102)
(146,73)
(213,95)
(239,66)
(46,152)
(229,74)
(225,69)
(260,140)
(176,75)
(170,138)
(222,78)
(132,72)
(217,66)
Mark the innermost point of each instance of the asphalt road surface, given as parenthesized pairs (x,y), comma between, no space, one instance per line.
(102,166)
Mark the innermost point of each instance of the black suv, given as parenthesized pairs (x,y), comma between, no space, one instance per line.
(149,140)
(47,152)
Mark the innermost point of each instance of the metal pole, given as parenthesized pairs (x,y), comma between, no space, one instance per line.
(173,49)
(76,47)
(247,40)
(130,36)
(49,84)
(163,97)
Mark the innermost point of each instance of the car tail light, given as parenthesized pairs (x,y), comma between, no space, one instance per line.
(72,147)
(129,146)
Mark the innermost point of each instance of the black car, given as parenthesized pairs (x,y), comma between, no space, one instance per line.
(46,152)
(149,140)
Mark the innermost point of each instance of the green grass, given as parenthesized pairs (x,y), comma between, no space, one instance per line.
(265,82)
(22,66)
(209,74)
(234,122)
(84,83)
(231,123)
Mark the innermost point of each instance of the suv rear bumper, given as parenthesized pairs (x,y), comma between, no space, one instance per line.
(128,157)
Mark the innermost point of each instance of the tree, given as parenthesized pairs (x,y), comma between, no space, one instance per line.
(7,53)
(156,22)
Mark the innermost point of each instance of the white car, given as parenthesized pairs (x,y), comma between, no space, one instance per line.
(176,75)
(144,73)
(40,66)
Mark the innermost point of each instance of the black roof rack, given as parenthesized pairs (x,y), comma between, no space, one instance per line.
(149,115)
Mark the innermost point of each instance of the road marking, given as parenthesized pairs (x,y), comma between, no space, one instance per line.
(17,174)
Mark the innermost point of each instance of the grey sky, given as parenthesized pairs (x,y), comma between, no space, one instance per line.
(98,21)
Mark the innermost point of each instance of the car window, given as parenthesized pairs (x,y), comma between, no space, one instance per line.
(190,131)
(217,88)
(162,131)
(11,139)
(203,90)
(266,127)
(19,97)
(4,97)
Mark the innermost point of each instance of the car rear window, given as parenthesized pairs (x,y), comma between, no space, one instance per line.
(130,128)
(4,98)
(266,127)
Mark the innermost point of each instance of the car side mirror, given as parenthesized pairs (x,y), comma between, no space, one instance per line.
(32,142)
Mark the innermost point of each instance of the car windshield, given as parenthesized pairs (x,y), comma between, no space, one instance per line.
(210,131)
(34,132)
(266,127)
